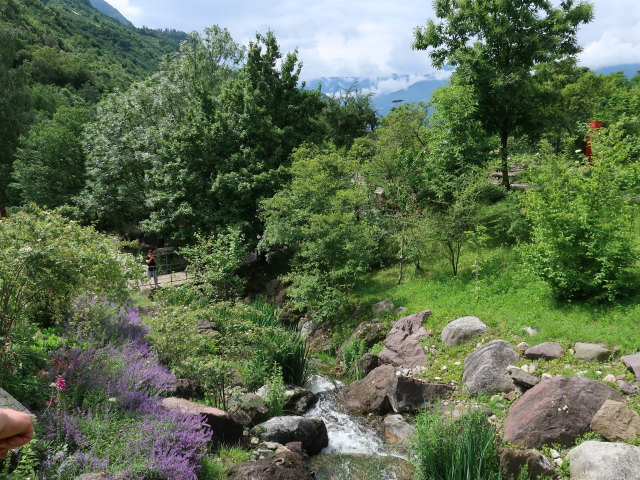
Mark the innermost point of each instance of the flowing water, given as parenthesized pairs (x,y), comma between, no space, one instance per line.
(355,450)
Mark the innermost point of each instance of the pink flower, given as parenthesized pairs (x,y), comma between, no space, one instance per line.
(52,401)
(61,385)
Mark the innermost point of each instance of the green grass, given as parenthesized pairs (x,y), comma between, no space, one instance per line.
(507,298)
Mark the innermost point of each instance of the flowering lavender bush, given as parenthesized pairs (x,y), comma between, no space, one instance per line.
(104,411)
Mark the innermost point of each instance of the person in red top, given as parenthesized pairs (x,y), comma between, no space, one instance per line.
(152,267)
(16,430)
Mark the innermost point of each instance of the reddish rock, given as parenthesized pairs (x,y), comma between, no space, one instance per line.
(402,346)
(632,362)
(224,425)
(558,410)
(547,351)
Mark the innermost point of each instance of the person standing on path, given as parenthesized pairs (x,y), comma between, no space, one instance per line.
(152,268)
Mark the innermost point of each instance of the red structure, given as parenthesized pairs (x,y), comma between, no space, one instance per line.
(593,126)
(3,212)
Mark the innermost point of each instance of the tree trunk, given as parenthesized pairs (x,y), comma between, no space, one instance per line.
(504,140)
(401,259)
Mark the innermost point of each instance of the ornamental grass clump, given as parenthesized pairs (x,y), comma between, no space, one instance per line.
(463,449)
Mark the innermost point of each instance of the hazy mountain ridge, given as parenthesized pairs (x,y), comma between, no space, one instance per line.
(107,9)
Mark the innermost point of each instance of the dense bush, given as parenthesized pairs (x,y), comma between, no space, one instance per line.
(583,239)
(461,449)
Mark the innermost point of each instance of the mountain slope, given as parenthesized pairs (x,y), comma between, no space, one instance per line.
(107,9)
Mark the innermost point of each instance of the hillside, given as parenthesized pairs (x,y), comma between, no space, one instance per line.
(107,9)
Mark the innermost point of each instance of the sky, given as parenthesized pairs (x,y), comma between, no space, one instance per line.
(369,39)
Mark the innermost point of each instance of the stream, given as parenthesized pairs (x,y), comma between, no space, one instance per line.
(355,450)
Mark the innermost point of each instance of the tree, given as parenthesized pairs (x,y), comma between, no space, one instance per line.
(495,45)
(50,166)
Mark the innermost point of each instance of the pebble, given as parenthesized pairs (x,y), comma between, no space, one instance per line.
(546,375)
(443,367)
(609,378)
(457,363)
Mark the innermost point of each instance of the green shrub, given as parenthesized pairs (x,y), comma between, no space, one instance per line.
(583,242)
(460,449)
(353,351)
(275,392)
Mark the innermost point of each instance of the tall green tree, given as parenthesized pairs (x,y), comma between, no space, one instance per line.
(495,45)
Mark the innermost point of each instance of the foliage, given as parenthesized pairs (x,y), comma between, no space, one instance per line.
(349,114)
(326,218)
(456,449)
(48,260)
(485,40)
(214,262)
(583,241)
(275,396)
(353,351)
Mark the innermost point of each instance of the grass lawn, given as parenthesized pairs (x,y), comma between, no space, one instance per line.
(507,298)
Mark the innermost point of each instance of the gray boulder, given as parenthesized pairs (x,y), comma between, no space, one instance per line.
(311,432)
(253,406)
(590,352)
(485,369)
(299,400)
(368,363)
(283,466)
(382,391)
(546,351)
(461,330)
(397,430)
(512,461)
(7,401)
(604,461)
(402,346)
(557,410)
(382,307)
(522,378)
(632,362)
(226,427)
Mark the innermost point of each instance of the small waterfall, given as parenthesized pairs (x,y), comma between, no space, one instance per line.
(355,451)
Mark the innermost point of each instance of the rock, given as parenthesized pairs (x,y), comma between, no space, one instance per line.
(397,431)
(369,362)
(531,331)
(513,461)
(205,327)
(547,351)
(93,476)
(321,338)
(522,346)
(400,310)
(308,328)
(402,345)
(523,379)
(557,410)
(588,352)
(225,426)
(609,378)
(485,369)
(382,391)
(299,400)
(253,406)
(615,421)
(283,466)
(188,388)
(632,362)
(295,447)
(461,330)
(7,401)
(369,332)
(604,461)
(311,432)
(382,307)
(627,388)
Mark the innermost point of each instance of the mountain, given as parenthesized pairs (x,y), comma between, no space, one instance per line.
(107,9)
(630,70)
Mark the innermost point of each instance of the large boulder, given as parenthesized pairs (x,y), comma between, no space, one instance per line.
(591,352)
(253,406)
(311,432)
(382,391)
(461,330)
(615,421)
(402,346)
(632,362)
(368,362)
(557,410)
(485,370)
(283,466)
(226,427)
(546,351)
(298,400)
(604,461)
(512,461)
